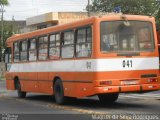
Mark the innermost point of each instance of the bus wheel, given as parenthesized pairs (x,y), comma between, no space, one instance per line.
(108,98)
(59,92)
(20,93)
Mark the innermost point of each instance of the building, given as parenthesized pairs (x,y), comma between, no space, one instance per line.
(17,25)
(51,19)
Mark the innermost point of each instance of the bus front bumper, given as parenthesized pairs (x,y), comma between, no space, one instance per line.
(127,88)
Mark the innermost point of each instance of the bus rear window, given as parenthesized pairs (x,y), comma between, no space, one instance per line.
(136,36)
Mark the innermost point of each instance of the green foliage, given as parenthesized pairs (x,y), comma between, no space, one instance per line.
(9,30)
(4,2)
(136,7)
(158,19)
(143,7)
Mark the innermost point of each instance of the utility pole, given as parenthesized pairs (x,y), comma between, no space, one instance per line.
(2,29)
(2,25)
(89,14)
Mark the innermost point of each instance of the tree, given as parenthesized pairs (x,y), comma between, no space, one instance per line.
(157,15)
(136,7)
(142,7)
(2,4)
(10,28)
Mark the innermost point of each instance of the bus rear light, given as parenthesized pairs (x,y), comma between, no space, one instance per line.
(105,82)
(152,80)
(152,86)
(107,89)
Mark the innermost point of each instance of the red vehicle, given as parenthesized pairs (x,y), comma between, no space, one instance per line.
(104,56)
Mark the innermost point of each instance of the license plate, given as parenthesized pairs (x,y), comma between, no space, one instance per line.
(129,82)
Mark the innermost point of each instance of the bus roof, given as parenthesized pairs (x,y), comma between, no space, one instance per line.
(75,24)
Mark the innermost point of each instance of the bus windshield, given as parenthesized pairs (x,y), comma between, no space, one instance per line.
(126,36)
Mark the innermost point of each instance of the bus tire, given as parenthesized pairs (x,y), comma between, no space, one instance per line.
(108,98)
(20,93)
(59,92)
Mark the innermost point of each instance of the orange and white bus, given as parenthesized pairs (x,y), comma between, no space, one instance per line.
(103,55)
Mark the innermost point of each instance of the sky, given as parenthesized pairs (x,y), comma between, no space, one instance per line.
(22,9)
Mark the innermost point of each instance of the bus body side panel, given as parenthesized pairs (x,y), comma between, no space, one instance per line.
(88,85)
(44,84)
(10,84)
(9,81)
(67,79)
(83,84)
(45,87)
(30,82)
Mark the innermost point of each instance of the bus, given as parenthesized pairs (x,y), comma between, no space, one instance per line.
(101,55)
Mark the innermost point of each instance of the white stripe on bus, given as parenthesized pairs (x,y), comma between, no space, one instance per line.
(89,65)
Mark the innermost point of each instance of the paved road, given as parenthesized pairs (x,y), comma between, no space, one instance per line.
(36,104)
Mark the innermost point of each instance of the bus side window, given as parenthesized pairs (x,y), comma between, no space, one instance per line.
(32,50)
(83,42)
(16,51)
(54,46)
(43,48)
(23,52)
(68,44)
